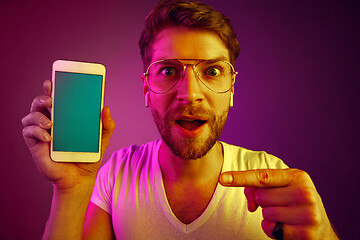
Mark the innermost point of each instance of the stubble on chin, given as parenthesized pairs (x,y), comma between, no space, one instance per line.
(190,148)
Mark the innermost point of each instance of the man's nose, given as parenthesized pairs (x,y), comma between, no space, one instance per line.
(190,89)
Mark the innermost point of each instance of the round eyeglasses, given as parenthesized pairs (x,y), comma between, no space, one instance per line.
(217,75)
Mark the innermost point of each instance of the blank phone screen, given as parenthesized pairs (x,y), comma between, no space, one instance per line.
(77,111)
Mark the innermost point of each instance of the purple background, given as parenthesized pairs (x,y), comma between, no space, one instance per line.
(296,93)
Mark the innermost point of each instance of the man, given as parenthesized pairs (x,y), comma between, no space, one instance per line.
(187,185)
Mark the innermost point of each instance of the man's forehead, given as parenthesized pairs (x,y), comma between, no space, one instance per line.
(185,43)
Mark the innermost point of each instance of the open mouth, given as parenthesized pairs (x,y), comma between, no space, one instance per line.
(190,124)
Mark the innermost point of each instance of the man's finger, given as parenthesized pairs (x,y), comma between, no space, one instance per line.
(47,85)
(258,178)
(108,128)
(38,119)
(250,196)
(108,122)
(40,104)
(33,134)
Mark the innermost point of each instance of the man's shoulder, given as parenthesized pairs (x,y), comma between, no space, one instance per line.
(133,154)
(134,150)
(242,150)
(244,159)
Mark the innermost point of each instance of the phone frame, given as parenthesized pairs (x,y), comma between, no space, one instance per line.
(84,68)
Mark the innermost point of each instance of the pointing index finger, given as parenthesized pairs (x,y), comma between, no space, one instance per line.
(257,178)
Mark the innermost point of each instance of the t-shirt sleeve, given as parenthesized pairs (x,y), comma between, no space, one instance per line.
(272,162)
(103,191)
(241,159)
(116,174)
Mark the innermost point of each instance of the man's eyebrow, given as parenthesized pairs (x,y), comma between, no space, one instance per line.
(222,58)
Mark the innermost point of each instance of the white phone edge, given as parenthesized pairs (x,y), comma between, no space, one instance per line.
(86,68)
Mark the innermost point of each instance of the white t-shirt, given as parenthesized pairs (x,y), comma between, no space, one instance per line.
(130,188)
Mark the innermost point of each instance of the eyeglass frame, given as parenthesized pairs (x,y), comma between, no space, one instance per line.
(234,73)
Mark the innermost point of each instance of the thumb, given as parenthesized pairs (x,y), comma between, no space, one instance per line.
(108,126)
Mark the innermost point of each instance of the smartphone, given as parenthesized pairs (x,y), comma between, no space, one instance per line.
(78,97)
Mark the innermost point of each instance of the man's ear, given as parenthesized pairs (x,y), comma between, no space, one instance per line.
(146,91)
(234,79)
(145,87)
(232,93)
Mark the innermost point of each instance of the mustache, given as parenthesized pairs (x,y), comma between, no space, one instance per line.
(194,110)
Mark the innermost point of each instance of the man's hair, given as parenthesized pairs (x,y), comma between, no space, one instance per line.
(190,14)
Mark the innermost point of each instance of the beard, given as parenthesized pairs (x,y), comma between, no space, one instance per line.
(190,148)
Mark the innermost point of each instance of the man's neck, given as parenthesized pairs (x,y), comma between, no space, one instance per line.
(190,184)
(199,171)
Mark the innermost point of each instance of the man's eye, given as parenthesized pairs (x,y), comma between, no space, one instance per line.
(168,71)
(213,72)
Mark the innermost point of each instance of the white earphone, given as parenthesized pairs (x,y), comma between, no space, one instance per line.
(147,99)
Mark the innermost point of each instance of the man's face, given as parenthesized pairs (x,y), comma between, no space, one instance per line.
(190,117)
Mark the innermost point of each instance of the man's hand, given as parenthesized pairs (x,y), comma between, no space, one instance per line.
(73,182)
(286,195)
(37,124)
